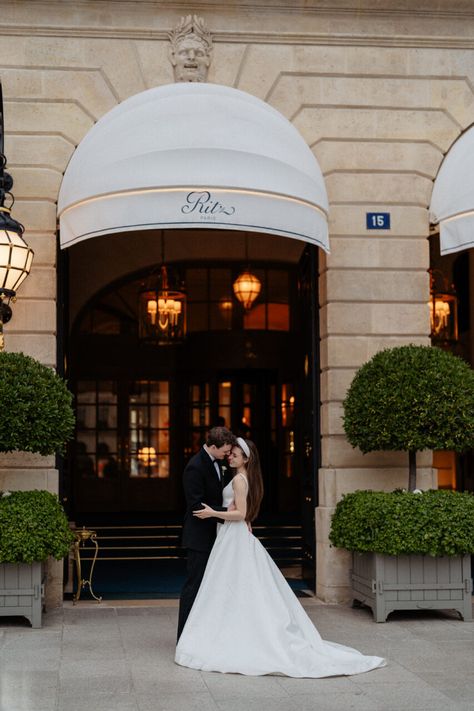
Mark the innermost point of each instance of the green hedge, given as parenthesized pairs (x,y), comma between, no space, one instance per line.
(411,398)
(436,523)
(35,406)
(33,526)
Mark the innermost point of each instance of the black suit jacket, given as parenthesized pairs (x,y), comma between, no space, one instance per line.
(201,485)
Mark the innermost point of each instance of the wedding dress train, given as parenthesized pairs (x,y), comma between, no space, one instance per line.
(247,620)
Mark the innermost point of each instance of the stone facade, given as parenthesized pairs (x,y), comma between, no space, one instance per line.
(379,93)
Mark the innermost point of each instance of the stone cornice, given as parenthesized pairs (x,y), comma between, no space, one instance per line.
(291,38)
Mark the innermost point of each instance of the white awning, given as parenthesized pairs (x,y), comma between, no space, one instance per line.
(190,155)
(452,202)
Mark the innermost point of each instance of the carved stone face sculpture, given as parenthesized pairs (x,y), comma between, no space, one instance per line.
(191,59)
(190,50)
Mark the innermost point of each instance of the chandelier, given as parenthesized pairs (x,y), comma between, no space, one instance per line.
(15,255)
(162,307)
(247,286)
(443,308)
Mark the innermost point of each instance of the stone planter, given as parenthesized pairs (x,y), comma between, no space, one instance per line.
(412,582)
(21,591)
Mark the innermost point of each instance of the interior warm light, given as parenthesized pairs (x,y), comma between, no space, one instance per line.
(443,308)
(147,456)
(163,308)
(247,287)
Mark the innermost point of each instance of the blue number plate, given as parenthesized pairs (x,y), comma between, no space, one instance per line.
(378,220)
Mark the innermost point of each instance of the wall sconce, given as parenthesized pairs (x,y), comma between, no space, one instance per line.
(162,308)
(443,308)
(15,255)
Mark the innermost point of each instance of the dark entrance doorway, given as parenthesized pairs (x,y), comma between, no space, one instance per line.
(142,410)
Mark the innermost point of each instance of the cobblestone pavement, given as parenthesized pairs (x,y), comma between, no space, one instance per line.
(119,657)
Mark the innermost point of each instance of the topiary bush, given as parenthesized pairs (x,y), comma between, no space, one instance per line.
(411,398)
(35,406)
(435,523)
(33,527)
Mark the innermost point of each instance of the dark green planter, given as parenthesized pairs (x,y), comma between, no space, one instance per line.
(412,582)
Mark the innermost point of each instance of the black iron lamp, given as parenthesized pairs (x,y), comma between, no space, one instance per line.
(162,307)
(15,255)
(443,308)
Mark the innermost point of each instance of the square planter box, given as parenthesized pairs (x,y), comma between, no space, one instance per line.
(21,591)
(412,582)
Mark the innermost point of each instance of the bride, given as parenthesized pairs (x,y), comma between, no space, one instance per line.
(246,619)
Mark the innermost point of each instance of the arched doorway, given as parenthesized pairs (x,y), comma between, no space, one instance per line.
(239,166)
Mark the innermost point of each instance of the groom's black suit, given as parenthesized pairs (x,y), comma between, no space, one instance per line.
(201,485)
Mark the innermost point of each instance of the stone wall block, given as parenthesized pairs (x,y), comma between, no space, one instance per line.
(317,123)
(379,187)
(65,118)
(375,318)
(376,285)
(39,284)
(334,483)
(335,383)
(27,479)
(336,452)
(25,460)
(34,183)
(44,247)
(353,351)
(35,215)
(86,85)
(377,252)
(422,158)
(407,221)
(33,316)
(51,151)
(332,418)
(41,346)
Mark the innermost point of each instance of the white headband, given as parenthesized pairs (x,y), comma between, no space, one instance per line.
(243,446)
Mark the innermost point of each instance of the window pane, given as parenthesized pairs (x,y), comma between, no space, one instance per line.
(221,318)
(277,286)
(86,391)
(278,317)
(255,318)
(159,392)
(220,284)
(197,317)
(196,284)
(85,416)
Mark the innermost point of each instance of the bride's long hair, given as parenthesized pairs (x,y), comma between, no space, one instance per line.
(255,480)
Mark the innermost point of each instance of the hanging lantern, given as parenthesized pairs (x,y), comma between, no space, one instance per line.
(162,311)
(443,309)
(15,255)
(247,287)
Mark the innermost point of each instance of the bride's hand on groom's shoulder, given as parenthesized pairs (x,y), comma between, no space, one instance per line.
(205,512)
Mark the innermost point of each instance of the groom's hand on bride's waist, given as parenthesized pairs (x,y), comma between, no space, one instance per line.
(205,512)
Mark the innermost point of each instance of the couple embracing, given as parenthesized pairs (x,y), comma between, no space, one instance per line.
(237,612)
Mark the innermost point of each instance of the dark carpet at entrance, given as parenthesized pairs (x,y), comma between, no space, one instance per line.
(150,580)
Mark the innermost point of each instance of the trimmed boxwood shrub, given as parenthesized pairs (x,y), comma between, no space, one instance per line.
(35,406)
(33,526)
(411,398)
(436,523)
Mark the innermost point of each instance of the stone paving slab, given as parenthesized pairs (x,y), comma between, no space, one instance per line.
(119,657)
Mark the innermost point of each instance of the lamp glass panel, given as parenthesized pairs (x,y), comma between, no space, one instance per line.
(4,251)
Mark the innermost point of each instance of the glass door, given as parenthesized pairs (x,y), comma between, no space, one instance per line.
(122,455)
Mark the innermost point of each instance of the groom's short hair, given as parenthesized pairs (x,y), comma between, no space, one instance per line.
(219,436)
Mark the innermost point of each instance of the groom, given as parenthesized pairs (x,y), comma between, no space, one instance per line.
(203,480)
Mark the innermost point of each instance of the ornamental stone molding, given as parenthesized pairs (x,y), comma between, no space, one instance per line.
(191,49)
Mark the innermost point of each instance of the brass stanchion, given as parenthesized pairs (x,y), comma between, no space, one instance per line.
(82,536)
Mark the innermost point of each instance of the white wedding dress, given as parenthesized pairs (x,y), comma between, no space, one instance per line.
(247,620)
